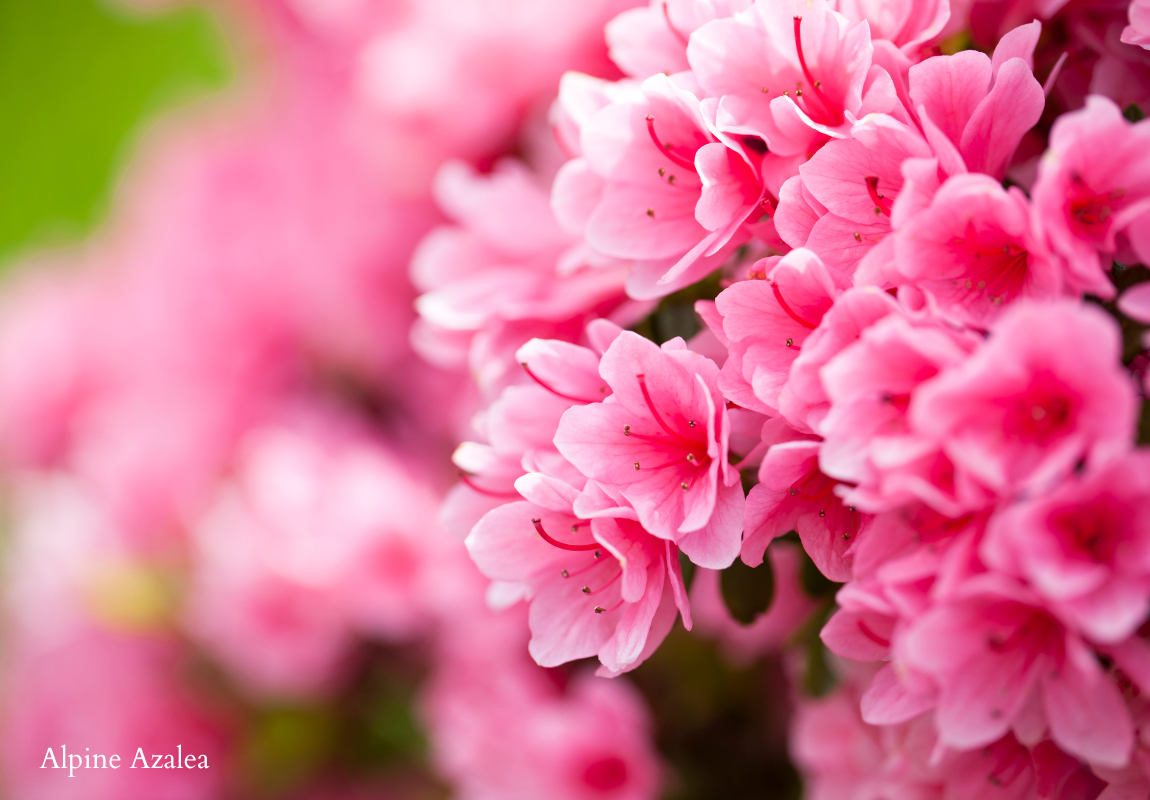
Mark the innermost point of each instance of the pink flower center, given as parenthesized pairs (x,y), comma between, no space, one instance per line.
(1091,212)
(826,112)
(1088,531)
(606,774)
(995,269)
(687,454)
(1043,414)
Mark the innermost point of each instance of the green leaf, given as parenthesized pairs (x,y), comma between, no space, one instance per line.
(1133,113)
(78,78)
(747,591)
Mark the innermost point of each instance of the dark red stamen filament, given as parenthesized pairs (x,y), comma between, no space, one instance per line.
(465,478)
(880,203)
(787,308)
(536,378)
(561,545)
(834,114)
(665,149)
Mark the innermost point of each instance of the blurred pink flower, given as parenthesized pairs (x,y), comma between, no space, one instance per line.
(1094,186)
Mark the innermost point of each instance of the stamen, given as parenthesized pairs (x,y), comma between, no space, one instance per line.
(835,114)
(465,478)
(881,206)
(787,308)
(655,413)
(651,213)
(618,575)
(601,610)
(556,543)
(553,391)
(665,149)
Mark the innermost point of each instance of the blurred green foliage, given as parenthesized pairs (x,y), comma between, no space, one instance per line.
(77,80)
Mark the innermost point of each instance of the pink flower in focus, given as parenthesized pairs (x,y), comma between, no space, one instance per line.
(1085,547)
(841,203)
(1045,391)
(659,444)
(1094,187)
(869,440)
(602,587)
(520,426)
(791,73)
(766,322)
(803,400)
(792,494)
(976,249)
(1002,661)
(974,109)
(654,184)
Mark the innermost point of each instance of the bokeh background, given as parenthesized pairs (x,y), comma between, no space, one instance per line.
(87,89)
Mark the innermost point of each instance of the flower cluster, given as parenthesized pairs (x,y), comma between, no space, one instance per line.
(923,360)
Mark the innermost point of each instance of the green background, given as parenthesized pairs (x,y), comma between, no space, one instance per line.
(78,79)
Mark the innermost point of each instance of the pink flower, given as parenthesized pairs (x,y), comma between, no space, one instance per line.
(602,587)
(792,494)
(1001,660)
(520,426)
(648,40)
(870,442)
(659,444)
(506,734)
(974,109)
(655,184)
(975,249)
(767,321)
(1138,31)
(321,537)
(1046,391)
(486,283)
(1085,547)
(841,203)
(803,400)
(1093,187)
(909,25)
(755,61)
